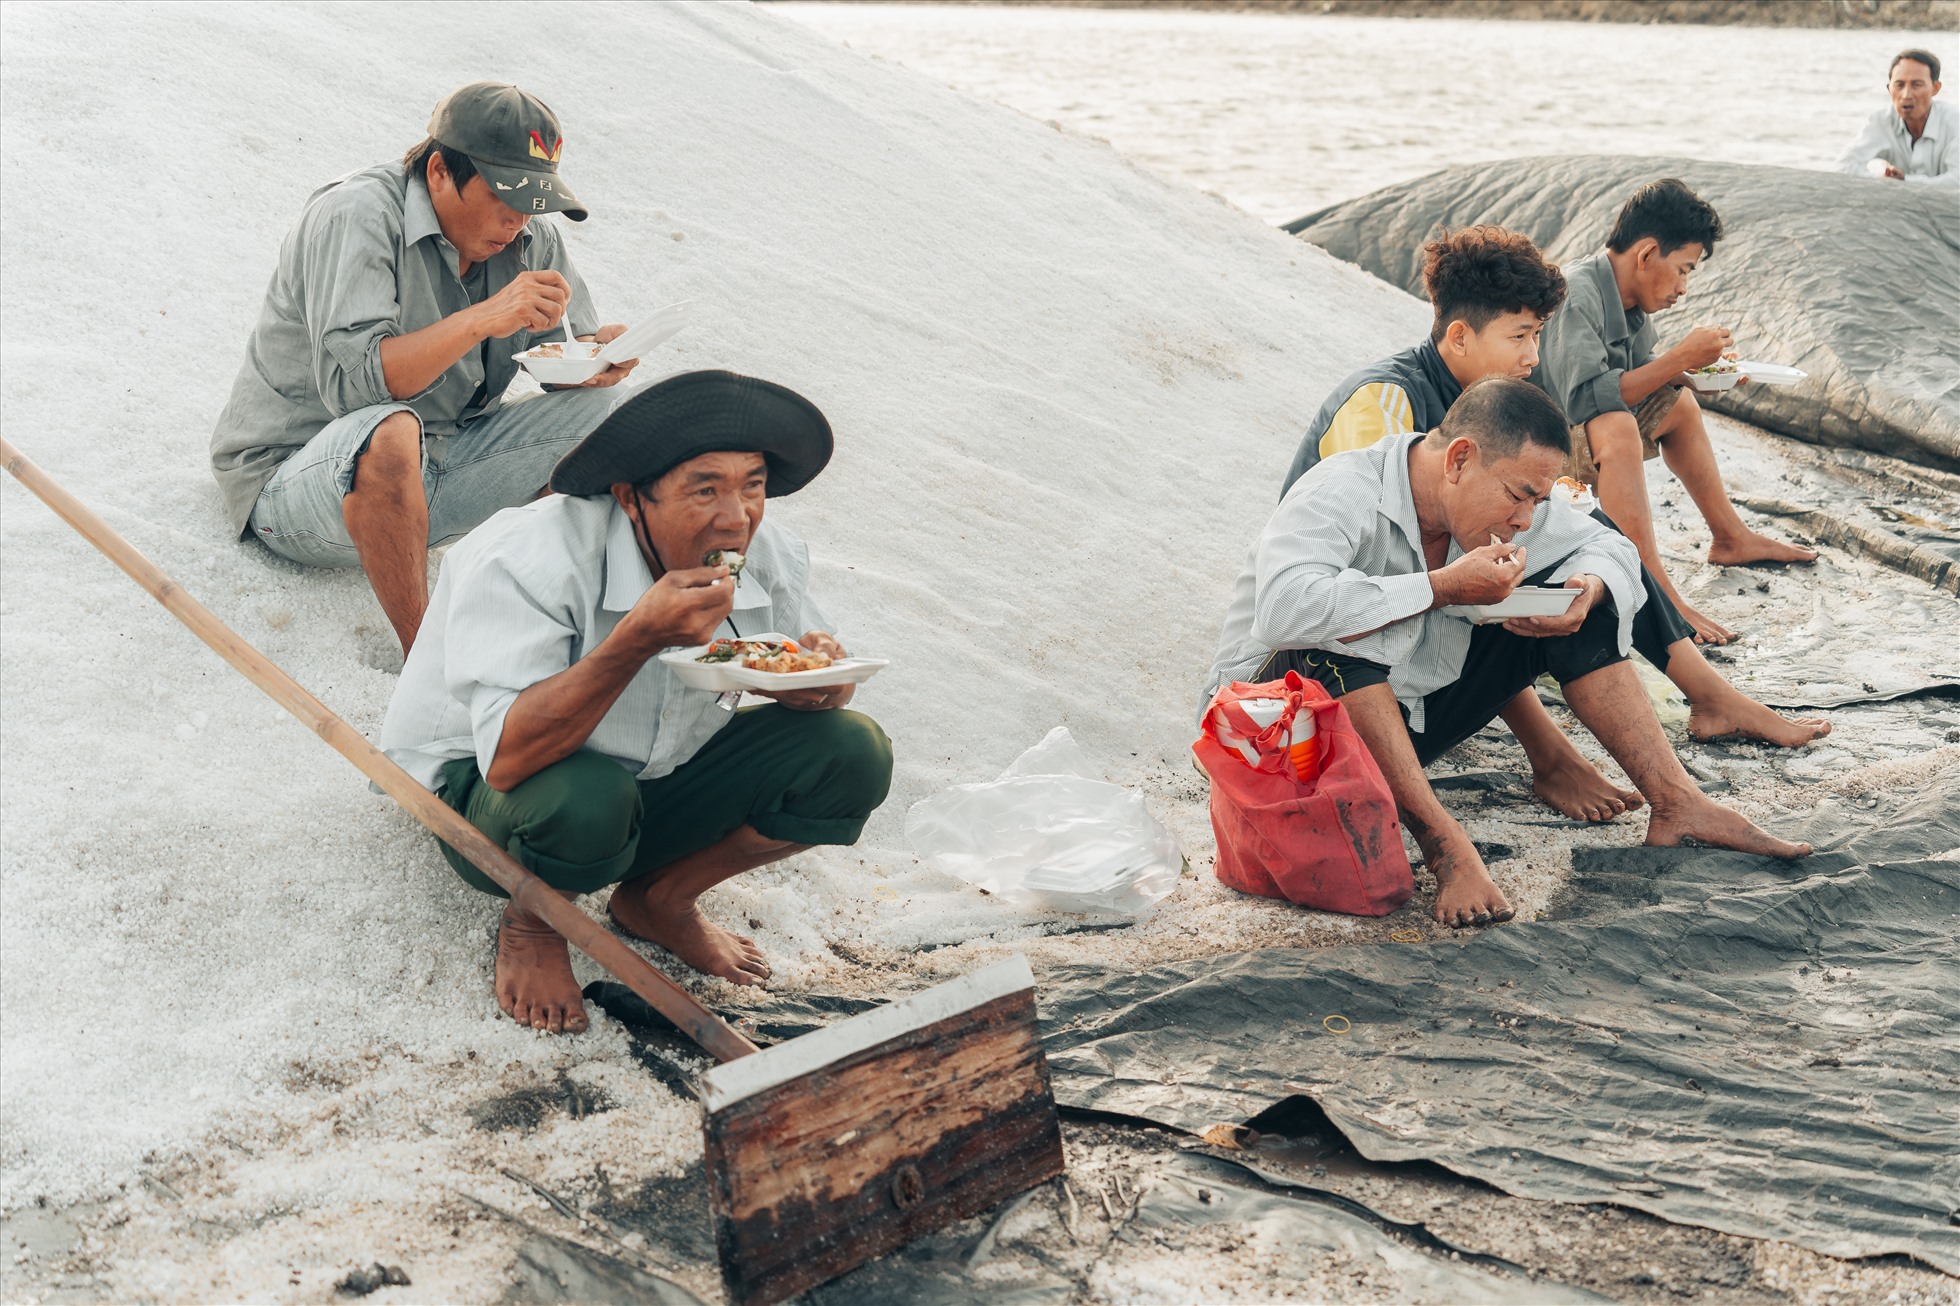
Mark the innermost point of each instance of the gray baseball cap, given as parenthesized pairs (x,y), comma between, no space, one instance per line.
(514,141)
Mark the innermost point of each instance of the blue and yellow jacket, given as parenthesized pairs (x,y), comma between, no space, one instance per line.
(1407,392)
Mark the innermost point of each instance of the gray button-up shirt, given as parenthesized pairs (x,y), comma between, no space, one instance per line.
(1343,553)
(536,588)
(1590,341)
(367,260)
(1934,157)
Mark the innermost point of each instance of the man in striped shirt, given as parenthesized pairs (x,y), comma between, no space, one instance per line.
(1360,581)
(1493,292)
(535,701)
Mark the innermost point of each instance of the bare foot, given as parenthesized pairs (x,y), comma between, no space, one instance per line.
(1465,893)
(1577,789)
(676,924)
(535,986)
(1735,713)
(1706,631)
(1750,547)
(1705,821)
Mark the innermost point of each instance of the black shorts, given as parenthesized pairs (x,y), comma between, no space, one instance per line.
(1497,666)
(1658,623)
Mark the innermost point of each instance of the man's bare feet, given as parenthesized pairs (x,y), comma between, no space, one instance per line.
(535,985)
(1735,713)
(1703,820)
(1575,788)
(1749,547)
(674,921)
(1706,631)
(1465,893)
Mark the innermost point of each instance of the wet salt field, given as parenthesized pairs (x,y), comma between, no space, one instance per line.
(1284,114)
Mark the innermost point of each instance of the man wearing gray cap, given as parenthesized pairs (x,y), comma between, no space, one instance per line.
(367,424)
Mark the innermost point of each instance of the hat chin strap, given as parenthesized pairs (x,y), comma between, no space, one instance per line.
(645,538)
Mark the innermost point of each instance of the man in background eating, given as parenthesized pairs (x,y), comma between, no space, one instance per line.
(368,425)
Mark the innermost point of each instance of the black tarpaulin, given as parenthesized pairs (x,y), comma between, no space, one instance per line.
(1761,1048)
(1853,280)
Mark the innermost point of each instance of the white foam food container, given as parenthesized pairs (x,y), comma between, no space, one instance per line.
(1524,601)
(1760,373)
(1709,382)
(726,677)
(582,359)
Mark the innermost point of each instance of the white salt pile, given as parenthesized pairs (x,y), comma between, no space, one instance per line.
(242,1000)
(1064,392)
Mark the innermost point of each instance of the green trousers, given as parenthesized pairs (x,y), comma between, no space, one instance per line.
(586,822)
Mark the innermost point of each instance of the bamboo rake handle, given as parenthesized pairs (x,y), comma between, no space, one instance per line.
(525,889)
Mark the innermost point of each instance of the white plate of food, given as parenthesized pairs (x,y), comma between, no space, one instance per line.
(570,362)
(766,661)
(1524,601)
(1722,374)
(1761,373)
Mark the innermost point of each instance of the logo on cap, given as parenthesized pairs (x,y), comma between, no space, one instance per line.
(538,151)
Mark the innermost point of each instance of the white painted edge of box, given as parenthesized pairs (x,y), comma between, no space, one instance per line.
(758,1072)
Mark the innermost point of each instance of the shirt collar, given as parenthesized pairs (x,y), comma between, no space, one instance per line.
(628,576)
(1398,500)
(1933,125)
(1620,325)
(627,573)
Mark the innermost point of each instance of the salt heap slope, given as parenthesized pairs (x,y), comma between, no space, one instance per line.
(1064,392)
(1853,280)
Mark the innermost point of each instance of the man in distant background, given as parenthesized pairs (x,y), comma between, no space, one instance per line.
(367,424)
(1918,138)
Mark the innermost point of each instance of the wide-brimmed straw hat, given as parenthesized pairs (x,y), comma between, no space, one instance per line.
(694,413)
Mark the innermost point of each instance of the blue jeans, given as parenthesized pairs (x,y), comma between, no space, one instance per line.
(491,463)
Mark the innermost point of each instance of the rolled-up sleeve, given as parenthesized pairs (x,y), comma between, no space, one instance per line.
(501,639)
(1577,369)
(1308,592)
(353,303)
(1584,547)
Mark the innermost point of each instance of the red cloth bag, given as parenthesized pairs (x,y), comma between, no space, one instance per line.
(1331,841)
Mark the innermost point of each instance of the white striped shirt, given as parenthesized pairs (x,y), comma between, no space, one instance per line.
(1934,158)
(1343,553)
(533,590)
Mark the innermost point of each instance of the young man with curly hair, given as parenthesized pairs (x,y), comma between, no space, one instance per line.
(1628,402)
(1493,291)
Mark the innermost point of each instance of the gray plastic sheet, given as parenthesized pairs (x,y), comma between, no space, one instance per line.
(1723,1041)
(1856,281)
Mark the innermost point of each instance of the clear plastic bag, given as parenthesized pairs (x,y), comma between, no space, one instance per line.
(1049,834)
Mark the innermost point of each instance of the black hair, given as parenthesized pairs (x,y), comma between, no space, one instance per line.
(416,162)
(1503,414)
(1478,274)
(1927,57)
(1669,212)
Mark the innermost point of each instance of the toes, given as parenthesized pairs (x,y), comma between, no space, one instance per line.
(1503,914)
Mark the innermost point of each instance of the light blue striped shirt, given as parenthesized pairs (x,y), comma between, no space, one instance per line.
(1343,553)
(533,590)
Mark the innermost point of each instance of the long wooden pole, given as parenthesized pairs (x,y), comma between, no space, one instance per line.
(526,890)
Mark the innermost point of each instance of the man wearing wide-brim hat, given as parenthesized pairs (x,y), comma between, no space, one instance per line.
(367,423)
(535,705)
